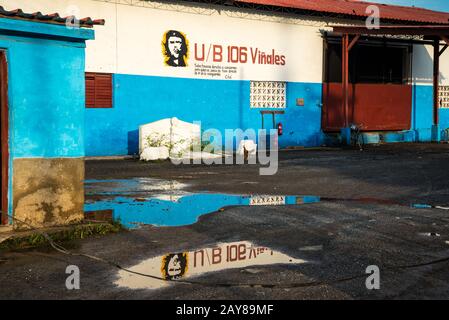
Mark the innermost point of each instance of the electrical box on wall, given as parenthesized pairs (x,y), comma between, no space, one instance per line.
(300,102)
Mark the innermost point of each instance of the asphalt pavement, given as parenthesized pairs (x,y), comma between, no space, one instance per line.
(385,206)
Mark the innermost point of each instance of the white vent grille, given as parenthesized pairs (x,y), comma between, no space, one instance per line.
(444,96)
(268,94)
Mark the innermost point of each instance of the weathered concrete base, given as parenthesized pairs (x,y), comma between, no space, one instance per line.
(375,137)
(47,192)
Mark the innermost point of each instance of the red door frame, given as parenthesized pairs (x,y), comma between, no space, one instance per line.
(342,100)
(4,115)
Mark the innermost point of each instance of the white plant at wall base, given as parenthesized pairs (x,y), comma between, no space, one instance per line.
(373,21)
(185,143)
(72,21)
(157,141)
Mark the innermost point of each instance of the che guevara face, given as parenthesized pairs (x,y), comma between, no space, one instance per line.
(175,46)
(174,266)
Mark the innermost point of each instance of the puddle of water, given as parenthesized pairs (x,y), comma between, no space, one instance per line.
(175,210)
(430,234)
(131,186)
(155,202)
(147,201)
(385,202)
(421,206)
(185,265)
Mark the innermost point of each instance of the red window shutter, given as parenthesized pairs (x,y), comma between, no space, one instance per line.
(98,90)
(103,91)
(90,91)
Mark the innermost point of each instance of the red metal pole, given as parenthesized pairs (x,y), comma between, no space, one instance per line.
(436,79)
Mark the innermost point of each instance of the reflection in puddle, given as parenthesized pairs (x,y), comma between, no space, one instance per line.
(131,186)
(174,210)
(146,201)
(181,266)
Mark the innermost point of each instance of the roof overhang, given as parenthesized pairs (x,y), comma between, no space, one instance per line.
(46,30)
(355,9)
(53,18)
(428,31)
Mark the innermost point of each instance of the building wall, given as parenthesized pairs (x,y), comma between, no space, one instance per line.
(146,90)
(444,80)
(46,121)
(422,111)
(220,104)
(129,46)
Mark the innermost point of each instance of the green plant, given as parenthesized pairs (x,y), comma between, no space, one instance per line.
(179,148)
(71,233)
(156,140)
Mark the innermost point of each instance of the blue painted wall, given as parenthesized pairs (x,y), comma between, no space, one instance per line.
(422,112)
(46,100)
(422,115)
(220,104)
(45,89)
(444,118)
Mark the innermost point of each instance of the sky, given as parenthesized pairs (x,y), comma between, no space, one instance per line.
(440,5)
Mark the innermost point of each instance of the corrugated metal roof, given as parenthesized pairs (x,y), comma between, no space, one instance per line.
(358,9)
(47,18)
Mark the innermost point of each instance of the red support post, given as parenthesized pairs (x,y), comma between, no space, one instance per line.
(353,42)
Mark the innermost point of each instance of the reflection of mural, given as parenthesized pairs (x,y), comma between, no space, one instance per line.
(221,257)
(175,48)
(174,266)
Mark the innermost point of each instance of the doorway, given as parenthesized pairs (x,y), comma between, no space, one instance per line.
(4,136)
(380,90)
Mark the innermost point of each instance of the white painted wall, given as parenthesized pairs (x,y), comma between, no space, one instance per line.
(423,66)
(141,31)
(444,68)
(101,52)
(130,42)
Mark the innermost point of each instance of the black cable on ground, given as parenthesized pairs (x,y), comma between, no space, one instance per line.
(63,250)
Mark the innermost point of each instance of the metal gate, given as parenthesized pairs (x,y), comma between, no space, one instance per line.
(374,107)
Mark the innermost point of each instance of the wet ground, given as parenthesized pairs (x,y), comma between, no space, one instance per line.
(222,232)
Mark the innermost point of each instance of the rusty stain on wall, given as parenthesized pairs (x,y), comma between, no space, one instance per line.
(48,192)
